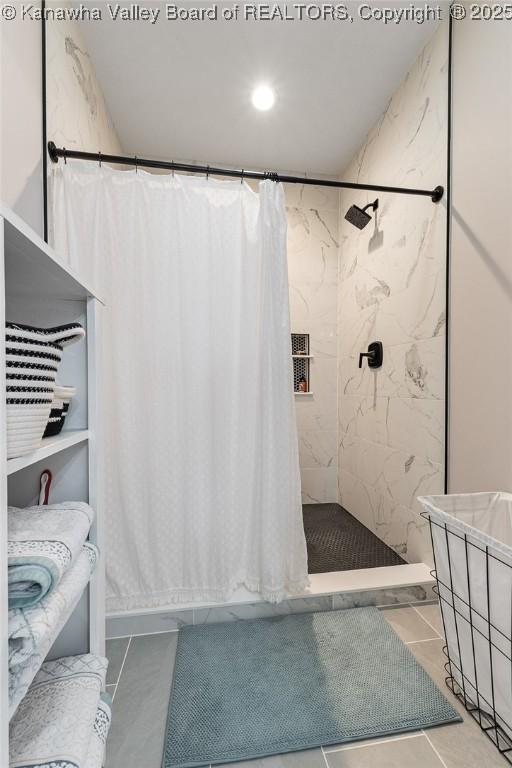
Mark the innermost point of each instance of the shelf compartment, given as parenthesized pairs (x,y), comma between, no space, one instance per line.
(32,268)
(300,344)
(53,620)
(49,446)
(301,362)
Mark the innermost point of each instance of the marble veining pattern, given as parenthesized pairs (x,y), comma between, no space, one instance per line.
(313,243)
(347,288)
(392,288)
(77,114)
(85,81)
(170,621)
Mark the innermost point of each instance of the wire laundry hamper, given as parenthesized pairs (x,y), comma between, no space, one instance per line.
(472,545)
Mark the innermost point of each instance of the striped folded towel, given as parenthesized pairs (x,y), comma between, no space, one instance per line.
(32,631)
(43,542)
(96,751)
(55,722)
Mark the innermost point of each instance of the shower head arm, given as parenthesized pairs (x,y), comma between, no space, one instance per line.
(373,205)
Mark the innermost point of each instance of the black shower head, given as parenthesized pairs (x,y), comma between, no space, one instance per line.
(358,216)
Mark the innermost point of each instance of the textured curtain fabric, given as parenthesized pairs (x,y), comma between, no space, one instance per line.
(202,484)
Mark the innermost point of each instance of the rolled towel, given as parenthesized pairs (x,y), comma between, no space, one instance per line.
(43,543)
(54,723)
(32,630)
(96,753)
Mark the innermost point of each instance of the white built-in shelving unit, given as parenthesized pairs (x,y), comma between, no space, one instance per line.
(37,288)
(49,446)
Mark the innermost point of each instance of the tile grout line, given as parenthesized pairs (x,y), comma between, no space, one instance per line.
(325,757)
(422,603)
(386,606)
(122,666)
(372,742)
(114,686)
(116,637)
(330,595)
(427,622)
(145,634)
(434,749)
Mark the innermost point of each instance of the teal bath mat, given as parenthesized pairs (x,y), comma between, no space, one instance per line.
(246,689)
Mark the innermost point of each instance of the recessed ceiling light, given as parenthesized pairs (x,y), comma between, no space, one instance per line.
(263,97)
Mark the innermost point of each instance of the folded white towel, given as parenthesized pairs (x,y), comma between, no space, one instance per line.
(31,629)
(55,721)
(43,543)
(96,753)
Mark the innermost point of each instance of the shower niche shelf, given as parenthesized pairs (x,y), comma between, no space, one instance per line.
(301,358)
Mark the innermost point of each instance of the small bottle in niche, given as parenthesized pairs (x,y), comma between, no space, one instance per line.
(303,385)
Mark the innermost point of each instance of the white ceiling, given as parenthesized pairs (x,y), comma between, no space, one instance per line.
(181,90)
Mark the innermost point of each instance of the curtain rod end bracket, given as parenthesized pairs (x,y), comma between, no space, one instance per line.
(437,194)
(52,151)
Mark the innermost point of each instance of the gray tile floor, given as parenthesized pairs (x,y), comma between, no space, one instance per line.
(139,679)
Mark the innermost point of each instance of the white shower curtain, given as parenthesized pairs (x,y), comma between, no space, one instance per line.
(202,485)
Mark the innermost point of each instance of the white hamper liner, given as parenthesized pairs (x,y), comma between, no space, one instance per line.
(472,543)
(33,356)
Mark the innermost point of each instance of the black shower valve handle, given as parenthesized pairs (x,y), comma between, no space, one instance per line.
(375,355)
(370,355)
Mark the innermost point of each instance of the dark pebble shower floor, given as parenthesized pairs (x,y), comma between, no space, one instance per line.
(336,541)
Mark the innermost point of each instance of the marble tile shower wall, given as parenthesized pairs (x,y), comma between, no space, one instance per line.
(77,115)
(392,289)
(168,621)
(313,274)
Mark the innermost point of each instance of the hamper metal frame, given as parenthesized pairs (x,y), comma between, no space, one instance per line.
(488,721)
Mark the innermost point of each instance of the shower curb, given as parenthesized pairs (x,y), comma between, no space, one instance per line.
(164,620)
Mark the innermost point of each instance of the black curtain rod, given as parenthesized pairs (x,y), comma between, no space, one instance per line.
(98,157)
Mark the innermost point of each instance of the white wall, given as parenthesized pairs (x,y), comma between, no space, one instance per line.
(21,118)
(480,441)
(76,113)
(392,289)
